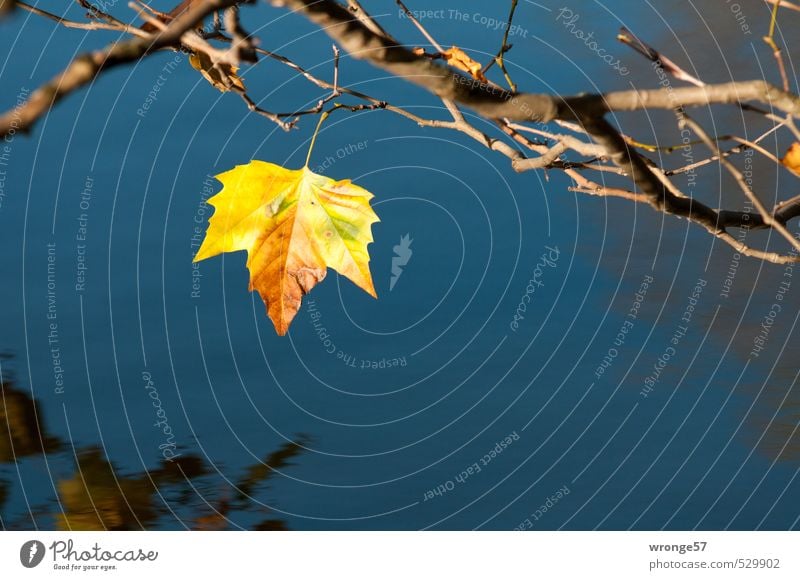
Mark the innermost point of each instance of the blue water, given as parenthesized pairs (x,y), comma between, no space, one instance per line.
(168,401)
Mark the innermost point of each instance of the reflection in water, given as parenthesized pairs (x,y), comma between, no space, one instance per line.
(774,423)
(255,476)
(97,496)
(3,495)
(20,420)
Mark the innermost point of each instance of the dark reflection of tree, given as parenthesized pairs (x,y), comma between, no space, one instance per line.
(3,497)
(256,475)
(22,435)
(774,423)
(20,422)
(98,496)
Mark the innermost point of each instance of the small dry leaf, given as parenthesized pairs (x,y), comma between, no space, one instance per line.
(459,59)
(792,158)
(203,63)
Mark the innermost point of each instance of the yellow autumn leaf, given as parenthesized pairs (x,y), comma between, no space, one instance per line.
(202,62)
(459,59)
(792,158)
(294,224)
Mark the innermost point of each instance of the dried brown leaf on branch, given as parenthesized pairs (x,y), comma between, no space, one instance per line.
(459,59)
(222,76)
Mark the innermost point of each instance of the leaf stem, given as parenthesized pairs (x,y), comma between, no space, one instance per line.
(314,137)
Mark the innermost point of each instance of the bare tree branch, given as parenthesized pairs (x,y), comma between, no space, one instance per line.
(581,117)
(6,6)
(85,68)
(495,103)
(366,19)
(93,25)
(489,101)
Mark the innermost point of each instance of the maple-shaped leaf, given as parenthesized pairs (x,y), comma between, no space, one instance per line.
(792,158)
(459,59)
(294,224)
(222,76)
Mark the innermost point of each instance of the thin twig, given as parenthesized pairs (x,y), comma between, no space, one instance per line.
(499,59)
(776,51)
(765,214)
(366,19)
(728,153)
(413,19)
(94,25)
